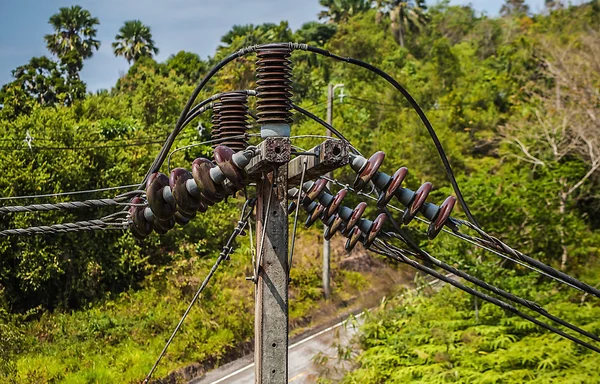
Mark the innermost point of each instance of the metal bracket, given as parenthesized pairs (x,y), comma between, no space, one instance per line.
(329,155)
(272,152)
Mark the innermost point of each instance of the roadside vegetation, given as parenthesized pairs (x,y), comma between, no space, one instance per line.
(514,100)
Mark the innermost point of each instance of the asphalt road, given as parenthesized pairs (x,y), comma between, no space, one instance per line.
(300,361)
(301,369)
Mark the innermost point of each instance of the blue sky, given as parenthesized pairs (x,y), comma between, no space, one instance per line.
(191,25)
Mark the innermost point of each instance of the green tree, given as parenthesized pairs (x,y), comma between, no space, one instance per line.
(514,7)
(74,36)
(133,41)
(340,10)
(405,16)
(41,79)
(187,65)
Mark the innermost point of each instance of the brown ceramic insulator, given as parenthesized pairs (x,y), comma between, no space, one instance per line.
(441,217)
(215,132)
(335,204)
(314,191)
(333,228)
(163,226)
(209,191)
(356,215)
(314,215)
(234,120)
(181,218)
(369,170)
(375,229)
(141,227)
(184,200)
(392,187)
(353,237)
(223,158)
(161,209)
(273,86)
(416,203)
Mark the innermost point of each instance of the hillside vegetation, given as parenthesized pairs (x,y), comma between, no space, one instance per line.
(514,100)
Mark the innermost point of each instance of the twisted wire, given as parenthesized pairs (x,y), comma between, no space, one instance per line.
(418,252)
(68,193)
(86,225)
(66,205)
(493,242)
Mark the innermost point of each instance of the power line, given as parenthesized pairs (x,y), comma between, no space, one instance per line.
(401,255)
(86,225)
(70,193)
(79,148)
(67,205)
(458,235)
(224,255)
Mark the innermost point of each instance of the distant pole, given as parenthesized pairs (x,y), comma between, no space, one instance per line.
(326,246)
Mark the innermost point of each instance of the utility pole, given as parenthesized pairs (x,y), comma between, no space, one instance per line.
(271,279)
(326,246)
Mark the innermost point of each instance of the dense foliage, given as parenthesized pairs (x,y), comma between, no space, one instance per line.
(513,99)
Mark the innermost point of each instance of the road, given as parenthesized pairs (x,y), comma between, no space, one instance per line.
(300,368)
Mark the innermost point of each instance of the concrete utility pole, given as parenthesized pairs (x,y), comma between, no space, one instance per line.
(271,322)
(275,173)
(326,246)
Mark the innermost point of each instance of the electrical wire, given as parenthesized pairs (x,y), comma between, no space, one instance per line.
(417,108)
(80,148)
(401,256)
(404,237)
(224,255)
(296,217)
(67,205)
(69,193)
(86,225)
(264,223)
(457,234)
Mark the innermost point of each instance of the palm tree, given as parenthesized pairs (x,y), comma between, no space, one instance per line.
(134,41)
(74,32)
(405,16)
(341,10)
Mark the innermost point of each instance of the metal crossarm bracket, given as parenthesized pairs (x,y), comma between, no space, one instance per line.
(329,155)
(273,151)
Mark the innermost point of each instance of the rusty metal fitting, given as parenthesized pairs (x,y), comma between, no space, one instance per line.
(441,218)
(140,226)
(160,207)
(417,202)
(274,91)
(369,170)
(233,120)
(215,133)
